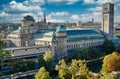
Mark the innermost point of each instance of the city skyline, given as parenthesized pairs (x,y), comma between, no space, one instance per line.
(56,10)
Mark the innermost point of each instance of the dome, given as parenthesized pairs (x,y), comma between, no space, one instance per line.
(28,17)
(61,29)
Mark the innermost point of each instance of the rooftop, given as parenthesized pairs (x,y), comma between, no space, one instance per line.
(83,31)
(28,17)
(85,37)
(61,29)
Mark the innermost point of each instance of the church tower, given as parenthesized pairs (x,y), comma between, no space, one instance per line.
(108,20)
(92,20)
(44,18)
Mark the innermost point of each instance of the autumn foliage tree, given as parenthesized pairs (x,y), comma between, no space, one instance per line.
(63,70)
(48,58)
(42,74)
(111,62)
(77,70)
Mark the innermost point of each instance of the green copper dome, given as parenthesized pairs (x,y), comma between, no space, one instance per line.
(28,17)
(61,29)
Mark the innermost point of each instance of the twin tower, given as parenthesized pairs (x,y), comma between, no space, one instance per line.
(108,20)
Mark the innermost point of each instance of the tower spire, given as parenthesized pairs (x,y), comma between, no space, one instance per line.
(44,18)
(92,20)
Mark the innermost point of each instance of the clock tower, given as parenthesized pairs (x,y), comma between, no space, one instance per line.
(108,20)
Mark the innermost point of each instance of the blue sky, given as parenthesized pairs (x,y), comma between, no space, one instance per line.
(56,10)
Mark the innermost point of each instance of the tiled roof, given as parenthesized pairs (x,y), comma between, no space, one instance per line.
(28,17)
(85,37)
(83,31)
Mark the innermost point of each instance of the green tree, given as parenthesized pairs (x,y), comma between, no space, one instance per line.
(48,57)
(108,46)
(41,61)
(88,54)
(111,62)
(3,53)
(23,65)
(15,65)
(42,74)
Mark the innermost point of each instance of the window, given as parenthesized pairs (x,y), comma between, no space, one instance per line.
(25,49)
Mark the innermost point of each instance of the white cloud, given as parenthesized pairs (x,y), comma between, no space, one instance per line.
(15,7)
(3,14)
(85,17)
(34,2)
(105,1)
(56,20)
(61,2)
(89,1)
(100,2)
(15,11)
(75,17)
(57,16)
(88,17)
(98,8)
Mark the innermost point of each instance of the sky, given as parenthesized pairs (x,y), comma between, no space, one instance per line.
(56,10)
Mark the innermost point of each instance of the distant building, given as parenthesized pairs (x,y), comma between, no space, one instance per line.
(79,24)
(90,24)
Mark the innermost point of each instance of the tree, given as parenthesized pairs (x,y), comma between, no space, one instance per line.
(48,57)
(108,76)
(15,65)
(23,65)
(88,54)
(108,46)
(63,70)
(42,74)
(41,61)
(111,62)
(79,69)
(1,36)
(3,53)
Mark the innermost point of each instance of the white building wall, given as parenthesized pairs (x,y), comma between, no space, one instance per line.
(20,51)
